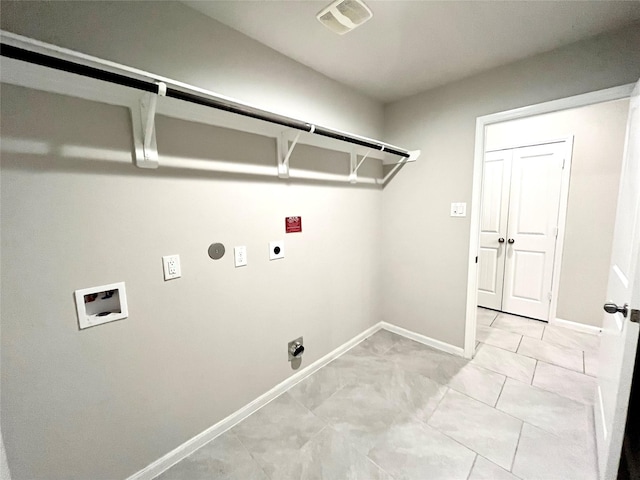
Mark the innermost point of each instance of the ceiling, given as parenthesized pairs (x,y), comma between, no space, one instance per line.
(411,46)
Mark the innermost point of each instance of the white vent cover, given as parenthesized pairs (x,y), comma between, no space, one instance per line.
(342,16)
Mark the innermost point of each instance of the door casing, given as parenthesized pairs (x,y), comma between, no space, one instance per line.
(609,94)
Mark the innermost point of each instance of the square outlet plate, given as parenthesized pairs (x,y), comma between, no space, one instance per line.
(276,249)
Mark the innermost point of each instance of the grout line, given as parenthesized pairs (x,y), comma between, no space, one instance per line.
(502,373)
(503,349)
(342,387)
(584,364)
(473,465)
(453,439)
(517,445)
(294,399)
(535,368)
(502,329)
(365,455)
(500,394)
(393,344)
(475,399)
(326,425)
(250,454)
(369,458)
(494,408)
(519,343)
(426,422)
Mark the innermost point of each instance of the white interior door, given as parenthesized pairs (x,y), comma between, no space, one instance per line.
(536,180)
(620,335)
(496,178)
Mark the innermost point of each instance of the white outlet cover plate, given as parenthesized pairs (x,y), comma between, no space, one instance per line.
(240,256)
(171,267)
(458,209)
(279,244)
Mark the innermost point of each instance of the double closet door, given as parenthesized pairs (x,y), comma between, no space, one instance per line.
(518,228)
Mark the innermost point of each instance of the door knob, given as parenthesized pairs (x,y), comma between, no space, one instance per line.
(511,240)
(501,240)
(613,308)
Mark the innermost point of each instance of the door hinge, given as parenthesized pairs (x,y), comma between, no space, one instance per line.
(563,160)
(634,315)
(476,259)
(550,295)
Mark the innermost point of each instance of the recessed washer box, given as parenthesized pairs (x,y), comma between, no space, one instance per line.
(103,304)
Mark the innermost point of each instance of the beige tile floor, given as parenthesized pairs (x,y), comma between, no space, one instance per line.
(394,409)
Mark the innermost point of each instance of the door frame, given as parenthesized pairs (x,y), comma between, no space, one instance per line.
(562,210)
(600,96)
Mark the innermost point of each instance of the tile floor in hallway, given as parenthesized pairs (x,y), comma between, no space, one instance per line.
(394,409)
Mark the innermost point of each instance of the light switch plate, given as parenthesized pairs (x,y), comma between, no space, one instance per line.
(171,267)
(276,249)
(240,256)
(459,209)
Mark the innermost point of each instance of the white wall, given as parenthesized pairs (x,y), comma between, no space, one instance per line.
(105,402)
(599,133)
(426,251)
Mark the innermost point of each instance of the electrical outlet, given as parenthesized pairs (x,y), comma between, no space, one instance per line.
(276,249)
(240,256)
(458,209)
(171,267)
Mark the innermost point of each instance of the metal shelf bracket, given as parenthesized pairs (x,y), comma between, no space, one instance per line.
(144,132)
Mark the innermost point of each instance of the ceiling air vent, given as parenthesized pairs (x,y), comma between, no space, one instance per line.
(342,16)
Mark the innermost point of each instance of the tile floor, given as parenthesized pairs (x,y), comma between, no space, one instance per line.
(394,409)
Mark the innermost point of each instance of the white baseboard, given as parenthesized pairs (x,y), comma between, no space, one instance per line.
(193,444)
(431,342)
(580,327)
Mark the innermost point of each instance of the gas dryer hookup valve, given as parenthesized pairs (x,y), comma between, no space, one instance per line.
(296,348)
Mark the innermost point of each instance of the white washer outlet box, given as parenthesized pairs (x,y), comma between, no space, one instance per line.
(276,249)
(171,267)
(103,304)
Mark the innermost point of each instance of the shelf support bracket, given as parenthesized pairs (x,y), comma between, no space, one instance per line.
(394,170)
(144,132)
(355,165)
(284,152)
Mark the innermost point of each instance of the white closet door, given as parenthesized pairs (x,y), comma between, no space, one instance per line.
(493,227)
(532,228)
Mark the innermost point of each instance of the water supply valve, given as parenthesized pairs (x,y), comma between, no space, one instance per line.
(296,348)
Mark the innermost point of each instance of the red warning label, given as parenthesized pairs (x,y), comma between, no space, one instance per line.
(293,224)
